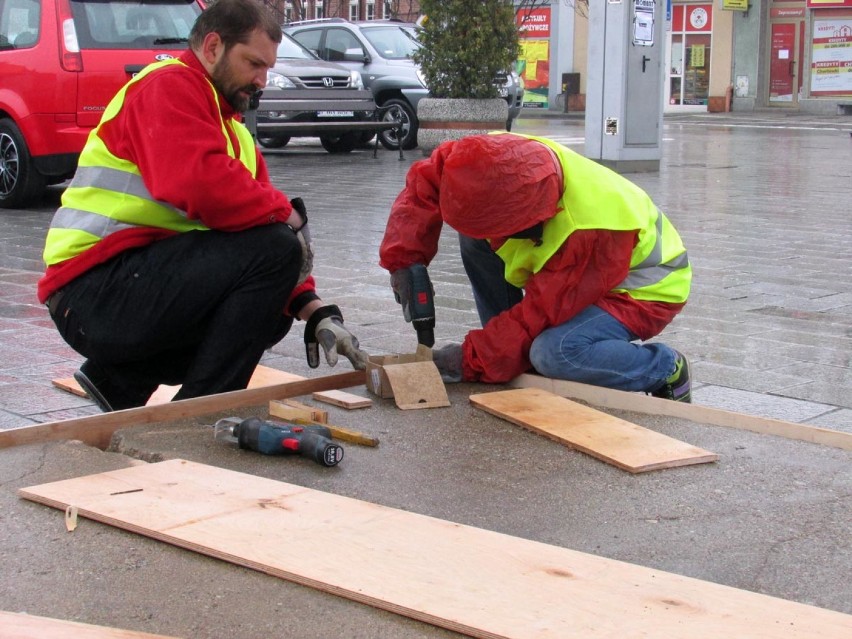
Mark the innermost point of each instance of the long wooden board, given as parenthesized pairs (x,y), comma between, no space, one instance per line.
(20,626)
(470,580)
(262,376)
(97,430)
(639,403)
(610,439)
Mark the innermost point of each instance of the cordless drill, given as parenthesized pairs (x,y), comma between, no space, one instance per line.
(422,304)
(269,438)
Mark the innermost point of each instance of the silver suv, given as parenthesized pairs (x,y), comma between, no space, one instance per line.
(381,50)
(297,69)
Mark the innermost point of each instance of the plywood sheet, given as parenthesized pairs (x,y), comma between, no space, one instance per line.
(473,581)
(262,376)
(610,439)
(19,626)
(417,385)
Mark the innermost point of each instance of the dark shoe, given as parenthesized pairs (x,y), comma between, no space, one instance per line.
(108,395)
(678,386)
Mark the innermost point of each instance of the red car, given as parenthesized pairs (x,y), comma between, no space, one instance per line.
(61,61)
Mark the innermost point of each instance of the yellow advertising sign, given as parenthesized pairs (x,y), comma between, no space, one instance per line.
(696,57)
(735,5)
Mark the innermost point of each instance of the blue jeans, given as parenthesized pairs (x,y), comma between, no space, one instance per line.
(592,347)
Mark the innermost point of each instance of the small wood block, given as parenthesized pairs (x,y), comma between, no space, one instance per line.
(343,399)
(262,376)
(610,439)
(20,626)
(291,409)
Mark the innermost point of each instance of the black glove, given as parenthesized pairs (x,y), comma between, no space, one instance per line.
(303,234)
(448,359)
(325,328)
(401,285)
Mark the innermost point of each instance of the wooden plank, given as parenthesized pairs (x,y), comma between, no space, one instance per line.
(262,376)
(610,439)
(648,405)
(349,401)
(21,626)
(97,430)
(291,409)
(302,414)
(473,581)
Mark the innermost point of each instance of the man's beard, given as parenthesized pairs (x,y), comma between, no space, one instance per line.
(223,81)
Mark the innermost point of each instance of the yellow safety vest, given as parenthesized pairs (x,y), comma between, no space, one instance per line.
(595,197)
(108,195)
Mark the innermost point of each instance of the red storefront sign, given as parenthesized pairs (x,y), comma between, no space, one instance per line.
(533,24)
(829,4)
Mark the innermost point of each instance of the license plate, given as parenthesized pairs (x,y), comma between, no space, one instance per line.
(335,114)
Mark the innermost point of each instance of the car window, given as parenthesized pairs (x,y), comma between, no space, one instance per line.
(393,43)
(133,25)
(290,49)
(339,42)
(310,38)
(19,24)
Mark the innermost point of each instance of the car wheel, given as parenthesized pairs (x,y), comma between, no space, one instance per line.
(396,109)
(276,142)
(20,182)
(340,143)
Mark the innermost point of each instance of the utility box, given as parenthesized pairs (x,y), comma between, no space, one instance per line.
(624,85)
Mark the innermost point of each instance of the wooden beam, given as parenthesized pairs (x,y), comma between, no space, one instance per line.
(470,580)
(97,430)
(648,405)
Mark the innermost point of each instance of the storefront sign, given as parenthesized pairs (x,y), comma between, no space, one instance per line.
(829,4)
(735,5)
(534,62)
(831,58)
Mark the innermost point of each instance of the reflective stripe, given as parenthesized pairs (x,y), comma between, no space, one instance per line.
(647,275)
(92,223)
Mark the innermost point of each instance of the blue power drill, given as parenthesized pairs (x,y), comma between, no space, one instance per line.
(269,438)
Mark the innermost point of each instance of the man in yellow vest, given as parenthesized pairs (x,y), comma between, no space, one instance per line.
(173,259)
(572,266)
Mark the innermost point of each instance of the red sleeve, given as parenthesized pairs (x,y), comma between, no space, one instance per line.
(414,224)
(582,272)
(172,131)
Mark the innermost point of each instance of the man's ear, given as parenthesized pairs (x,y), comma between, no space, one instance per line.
(212,48)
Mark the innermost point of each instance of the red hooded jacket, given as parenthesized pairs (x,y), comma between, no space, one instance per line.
(510,180)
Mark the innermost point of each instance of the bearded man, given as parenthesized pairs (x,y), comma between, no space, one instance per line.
(173,259)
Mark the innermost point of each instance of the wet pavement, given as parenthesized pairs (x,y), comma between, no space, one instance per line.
(762,201)
(763,205)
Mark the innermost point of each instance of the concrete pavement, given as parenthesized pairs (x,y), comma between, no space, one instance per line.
(763,205)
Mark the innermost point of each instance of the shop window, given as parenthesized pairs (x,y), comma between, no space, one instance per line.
(689,62)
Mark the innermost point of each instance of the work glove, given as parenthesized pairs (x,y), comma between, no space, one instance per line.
(401,285)
(303,234)
(325,328)
(448,359)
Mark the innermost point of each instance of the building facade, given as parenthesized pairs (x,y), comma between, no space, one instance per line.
(720,54)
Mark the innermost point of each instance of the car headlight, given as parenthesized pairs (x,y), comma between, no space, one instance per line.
(274,79)
(355,80)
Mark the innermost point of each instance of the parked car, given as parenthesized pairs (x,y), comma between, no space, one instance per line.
(381,50)
(61,62)
(297,74)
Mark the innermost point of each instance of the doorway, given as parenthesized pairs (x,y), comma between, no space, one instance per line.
(786,62)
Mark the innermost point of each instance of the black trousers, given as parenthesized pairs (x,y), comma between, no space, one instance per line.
(196,309)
